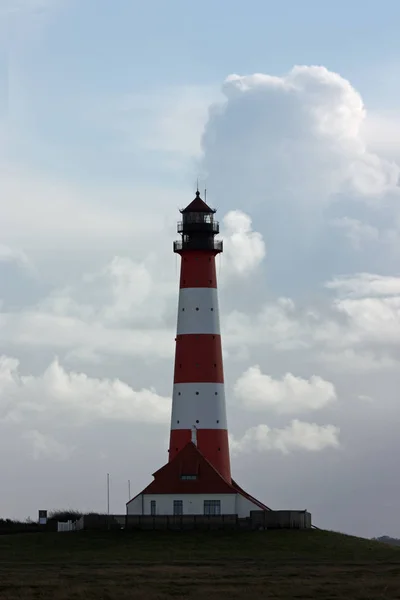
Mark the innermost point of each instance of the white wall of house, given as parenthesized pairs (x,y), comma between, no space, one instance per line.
(135,506)
(192,504)
(244,506)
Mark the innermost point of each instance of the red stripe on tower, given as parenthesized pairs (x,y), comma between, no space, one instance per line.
(198,402)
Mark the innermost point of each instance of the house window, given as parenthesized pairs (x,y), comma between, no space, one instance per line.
(178,507)
(188,477)
(152,507)
(212,507)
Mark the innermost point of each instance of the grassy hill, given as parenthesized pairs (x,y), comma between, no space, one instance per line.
(197,565)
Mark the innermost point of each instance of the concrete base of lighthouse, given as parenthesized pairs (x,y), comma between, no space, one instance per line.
(190,485)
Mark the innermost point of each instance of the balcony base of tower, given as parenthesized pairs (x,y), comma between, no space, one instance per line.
(190,485)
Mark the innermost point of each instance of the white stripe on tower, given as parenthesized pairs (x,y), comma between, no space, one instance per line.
(198,311)
(199,396)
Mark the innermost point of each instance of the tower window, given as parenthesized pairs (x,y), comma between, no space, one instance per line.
(216,393)
(178,421)
(197,308)
(211,309)
(179,393)
(197,393)
(217,420)
(197,421)
(215,364)
(183,309)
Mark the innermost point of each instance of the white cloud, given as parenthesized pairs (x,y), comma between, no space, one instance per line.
(369,326)
(362,324)
(291,394)
(137,289)
(381,130)
(244,249)
(299,135)
(275,323)
(123,292)
(348,360)
(37,329)
(123,309)
(371,320)
(74,398)
(365,398)
(365,284)
(126,308)
(296,436)
(353,333)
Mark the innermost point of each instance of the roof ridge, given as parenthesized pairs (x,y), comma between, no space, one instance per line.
(198,205)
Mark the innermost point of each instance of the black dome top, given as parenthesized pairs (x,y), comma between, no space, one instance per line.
(198,205)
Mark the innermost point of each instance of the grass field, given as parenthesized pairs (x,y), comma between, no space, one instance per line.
(197,565)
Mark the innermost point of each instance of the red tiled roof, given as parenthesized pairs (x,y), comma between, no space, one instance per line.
(190,461)
(197,205)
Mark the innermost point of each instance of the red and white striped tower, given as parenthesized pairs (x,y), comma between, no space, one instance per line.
(198,402)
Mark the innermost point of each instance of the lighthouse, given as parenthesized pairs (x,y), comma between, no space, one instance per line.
(198,400)
(197,477)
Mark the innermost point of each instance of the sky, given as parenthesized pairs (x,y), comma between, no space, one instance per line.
(288,113)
